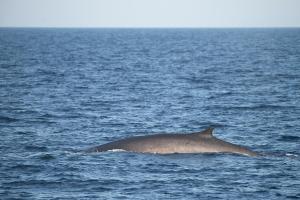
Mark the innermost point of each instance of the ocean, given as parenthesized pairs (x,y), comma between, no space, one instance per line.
(65,90)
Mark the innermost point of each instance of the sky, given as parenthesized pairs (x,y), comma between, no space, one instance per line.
(149,13)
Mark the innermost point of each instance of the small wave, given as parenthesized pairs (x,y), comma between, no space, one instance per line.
(35,148)
(210,124)
(253,107)
(31,183)
(27,167)
(47,157)
(223,93)
(22,132)
(261,107)
(116,150)
(292,155)
(266,106)
(282,155)
(4,119)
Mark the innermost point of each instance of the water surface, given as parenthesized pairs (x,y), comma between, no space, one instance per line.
(65,90)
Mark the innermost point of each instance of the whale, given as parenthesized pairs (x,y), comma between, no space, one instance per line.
(196,142)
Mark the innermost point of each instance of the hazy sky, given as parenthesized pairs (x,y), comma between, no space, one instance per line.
(150,13)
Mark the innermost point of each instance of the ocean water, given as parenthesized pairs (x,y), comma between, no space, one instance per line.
(65,90)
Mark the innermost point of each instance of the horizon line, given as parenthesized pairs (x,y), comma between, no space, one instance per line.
(153,27)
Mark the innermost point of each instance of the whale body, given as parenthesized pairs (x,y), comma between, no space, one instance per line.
(198,142)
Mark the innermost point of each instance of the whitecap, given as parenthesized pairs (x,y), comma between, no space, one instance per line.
(116,150)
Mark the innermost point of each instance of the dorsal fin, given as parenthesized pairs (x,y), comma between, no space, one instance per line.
(206,133)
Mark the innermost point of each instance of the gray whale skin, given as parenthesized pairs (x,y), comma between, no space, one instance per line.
(198,142)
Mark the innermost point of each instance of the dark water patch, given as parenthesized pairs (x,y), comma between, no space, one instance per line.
(293,196)
(27,168)
(33,183)
(219,94)
(269,107)
(206,124)
(13,195)
(39,121)
(5,119)
(99,188)
(198,81)
(23,133)
(289,138)
(47,157)
(11,65)
(34,148)
(49,116)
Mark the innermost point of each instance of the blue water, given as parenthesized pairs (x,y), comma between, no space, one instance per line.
(65,90)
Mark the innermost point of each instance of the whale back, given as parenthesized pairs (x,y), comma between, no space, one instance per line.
(197,142)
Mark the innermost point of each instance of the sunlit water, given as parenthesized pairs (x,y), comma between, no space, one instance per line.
(65,90)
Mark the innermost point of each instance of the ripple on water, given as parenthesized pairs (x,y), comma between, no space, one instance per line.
(30,168)
(34,148)
(5,119)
